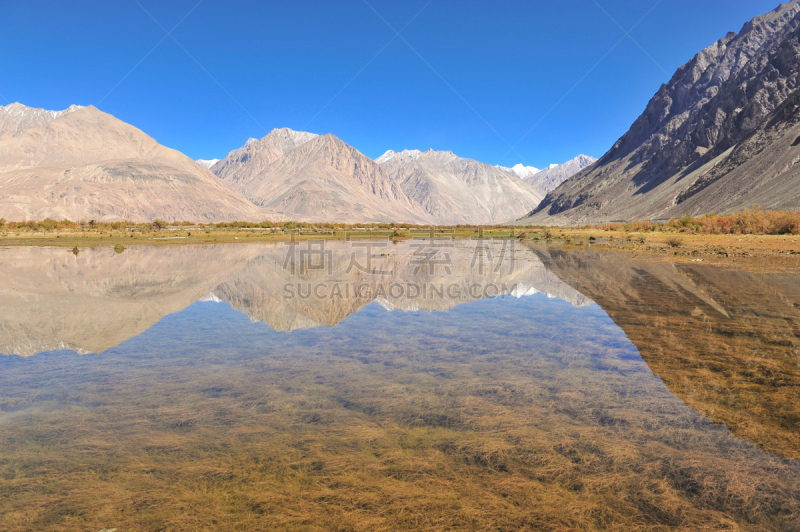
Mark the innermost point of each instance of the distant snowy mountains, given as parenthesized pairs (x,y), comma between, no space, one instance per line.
(521,171)
(551,177)
(208,163)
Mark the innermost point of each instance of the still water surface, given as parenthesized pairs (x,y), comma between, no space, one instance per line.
(462,385)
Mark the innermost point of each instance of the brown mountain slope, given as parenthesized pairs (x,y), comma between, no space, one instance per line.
(454,190)
(304,175)
(86,164)
(242,165)
(711,105)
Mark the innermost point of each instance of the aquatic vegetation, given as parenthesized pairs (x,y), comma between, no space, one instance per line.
(502,414)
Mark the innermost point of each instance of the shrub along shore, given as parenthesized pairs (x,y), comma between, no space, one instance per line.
(752,232)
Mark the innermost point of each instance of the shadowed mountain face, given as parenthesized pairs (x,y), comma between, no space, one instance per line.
(53,299)
(727,342)
(715,138)
(319,177)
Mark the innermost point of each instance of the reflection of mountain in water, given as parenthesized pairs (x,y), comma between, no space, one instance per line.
(725,341)
(53,299)
(406,276)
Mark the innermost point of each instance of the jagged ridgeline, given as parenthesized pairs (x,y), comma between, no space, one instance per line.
(83,164)
(720,136)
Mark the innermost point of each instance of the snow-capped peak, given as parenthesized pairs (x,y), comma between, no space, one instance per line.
(520,170)
(385,157)
(15,117)
(403,155)
(298,137)
(208,163)
(18,109)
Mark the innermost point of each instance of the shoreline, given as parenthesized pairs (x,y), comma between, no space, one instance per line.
(727,248)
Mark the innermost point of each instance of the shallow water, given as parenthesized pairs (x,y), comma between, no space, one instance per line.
(442,385)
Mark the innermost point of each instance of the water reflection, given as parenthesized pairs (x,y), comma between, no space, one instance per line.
(88,303)
(726,341)
(513,413)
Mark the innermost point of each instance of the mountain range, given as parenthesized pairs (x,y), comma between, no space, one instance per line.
(721,135)
(551,177)
(306,175)
(82,164)
(301,174)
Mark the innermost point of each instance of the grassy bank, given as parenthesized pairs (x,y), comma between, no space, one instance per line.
(748,233)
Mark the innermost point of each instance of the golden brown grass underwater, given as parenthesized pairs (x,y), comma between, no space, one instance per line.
(501,414)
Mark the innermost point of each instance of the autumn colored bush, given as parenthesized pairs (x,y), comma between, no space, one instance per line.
(745,222)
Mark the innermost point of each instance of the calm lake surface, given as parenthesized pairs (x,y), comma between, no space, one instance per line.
(422,385)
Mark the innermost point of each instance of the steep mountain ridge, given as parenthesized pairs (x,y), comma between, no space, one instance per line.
(307,175)
(85,164)
(16,118)
(242,164)
(712,103)
(551,177)
(455,190)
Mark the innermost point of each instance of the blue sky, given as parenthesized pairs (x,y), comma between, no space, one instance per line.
(500,81)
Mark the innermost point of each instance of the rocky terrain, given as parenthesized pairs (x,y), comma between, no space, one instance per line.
(550,178)
(84,164)
(16,118)
(717,137)
(455,190)
(301,175)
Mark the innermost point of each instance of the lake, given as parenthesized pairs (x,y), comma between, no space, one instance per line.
(429,384)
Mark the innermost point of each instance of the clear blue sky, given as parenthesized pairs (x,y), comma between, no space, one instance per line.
(554,78)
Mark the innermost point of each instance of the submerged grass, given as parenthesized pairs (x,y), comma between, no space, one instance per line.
(536,419)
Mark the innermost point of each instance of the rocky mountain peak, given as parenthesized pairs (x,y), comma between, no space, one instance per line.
(406,155)
(16,117)
(712,103)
